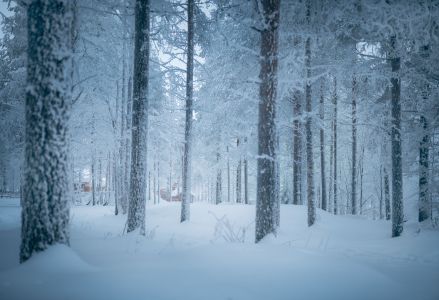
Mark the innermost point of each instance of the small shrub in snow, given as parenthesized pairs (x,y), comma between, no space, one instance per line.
(227,231)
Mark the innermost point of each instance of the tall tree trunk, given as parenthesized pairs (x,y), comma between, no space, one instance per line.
(158,182)
(228,175)
(45,212)
(187,161)
(218,191)
(387,194)
(238,178)
(266,174)
(322,149)
(128,140)
(334,178)
(116,206)
(245,174)
(99,185)
(308,128)
(123,120)
(361,180)
(331,171)
(136,212)
(246,181)
(154,184)
(397,196)
(424,204)
(381,195)
(354,148)
(297,149)
(93,161)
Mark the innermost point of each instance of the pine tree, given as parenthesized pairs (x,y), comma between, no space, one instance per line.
(354,148)
(424,203)
(266,173)
(308,128)
(334,134)
(397,196)
(136,210)
(45,214)
(297,149)
(322,150)
(187,161)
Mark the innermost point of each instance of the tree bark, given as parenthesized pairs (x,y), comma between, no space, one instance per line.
(218,191)
(266,174)
(238,178)
(334,128)
(424,203)
(187,161)
(397,196)
(387,194)
(308,128)
(322,150)
(45,212)
(297,149)
(136,212)
(354,148)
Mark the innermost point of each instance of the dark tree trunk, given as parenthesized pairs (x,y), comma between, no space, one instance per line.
(228,175)
(322,150)
(297,149)
(245,181)
(187,161)
(158,182)
(397,196)
(93,161)
(128,140)
(266,174)
(334,131)
(45,212)
(136,211)
(424,204)
(354,148)
(238,178)
(387,194)
(381,195)
(219,181)
(308,129)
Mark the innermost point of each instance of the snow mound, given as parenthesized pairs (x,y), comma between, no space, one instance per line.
(56,259)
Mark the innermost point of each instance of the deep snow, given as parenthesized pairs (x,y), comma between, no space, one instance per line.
(341,257)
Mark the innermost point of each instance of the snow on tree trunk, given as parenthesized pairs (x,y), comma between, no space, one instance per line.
(424,204)
(381,195)
(45,213)
(397,196)
(136,210)
(187,160)
(322,150)
(218,191)
(245,175)
(308,129)
(297,149)
(266,170)
(387,194)
(128,139)
(354,148)
(334,132)
(228,175)
(238,178)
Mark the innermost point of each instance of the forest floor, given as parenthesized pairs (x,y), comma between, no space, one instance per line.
(213,257)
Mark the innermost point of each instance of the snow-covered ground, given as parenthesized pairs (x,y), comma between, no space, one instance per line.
(214,257)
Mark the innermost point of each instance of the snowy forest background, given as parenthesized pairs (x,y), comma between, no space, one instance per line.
(288,123)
